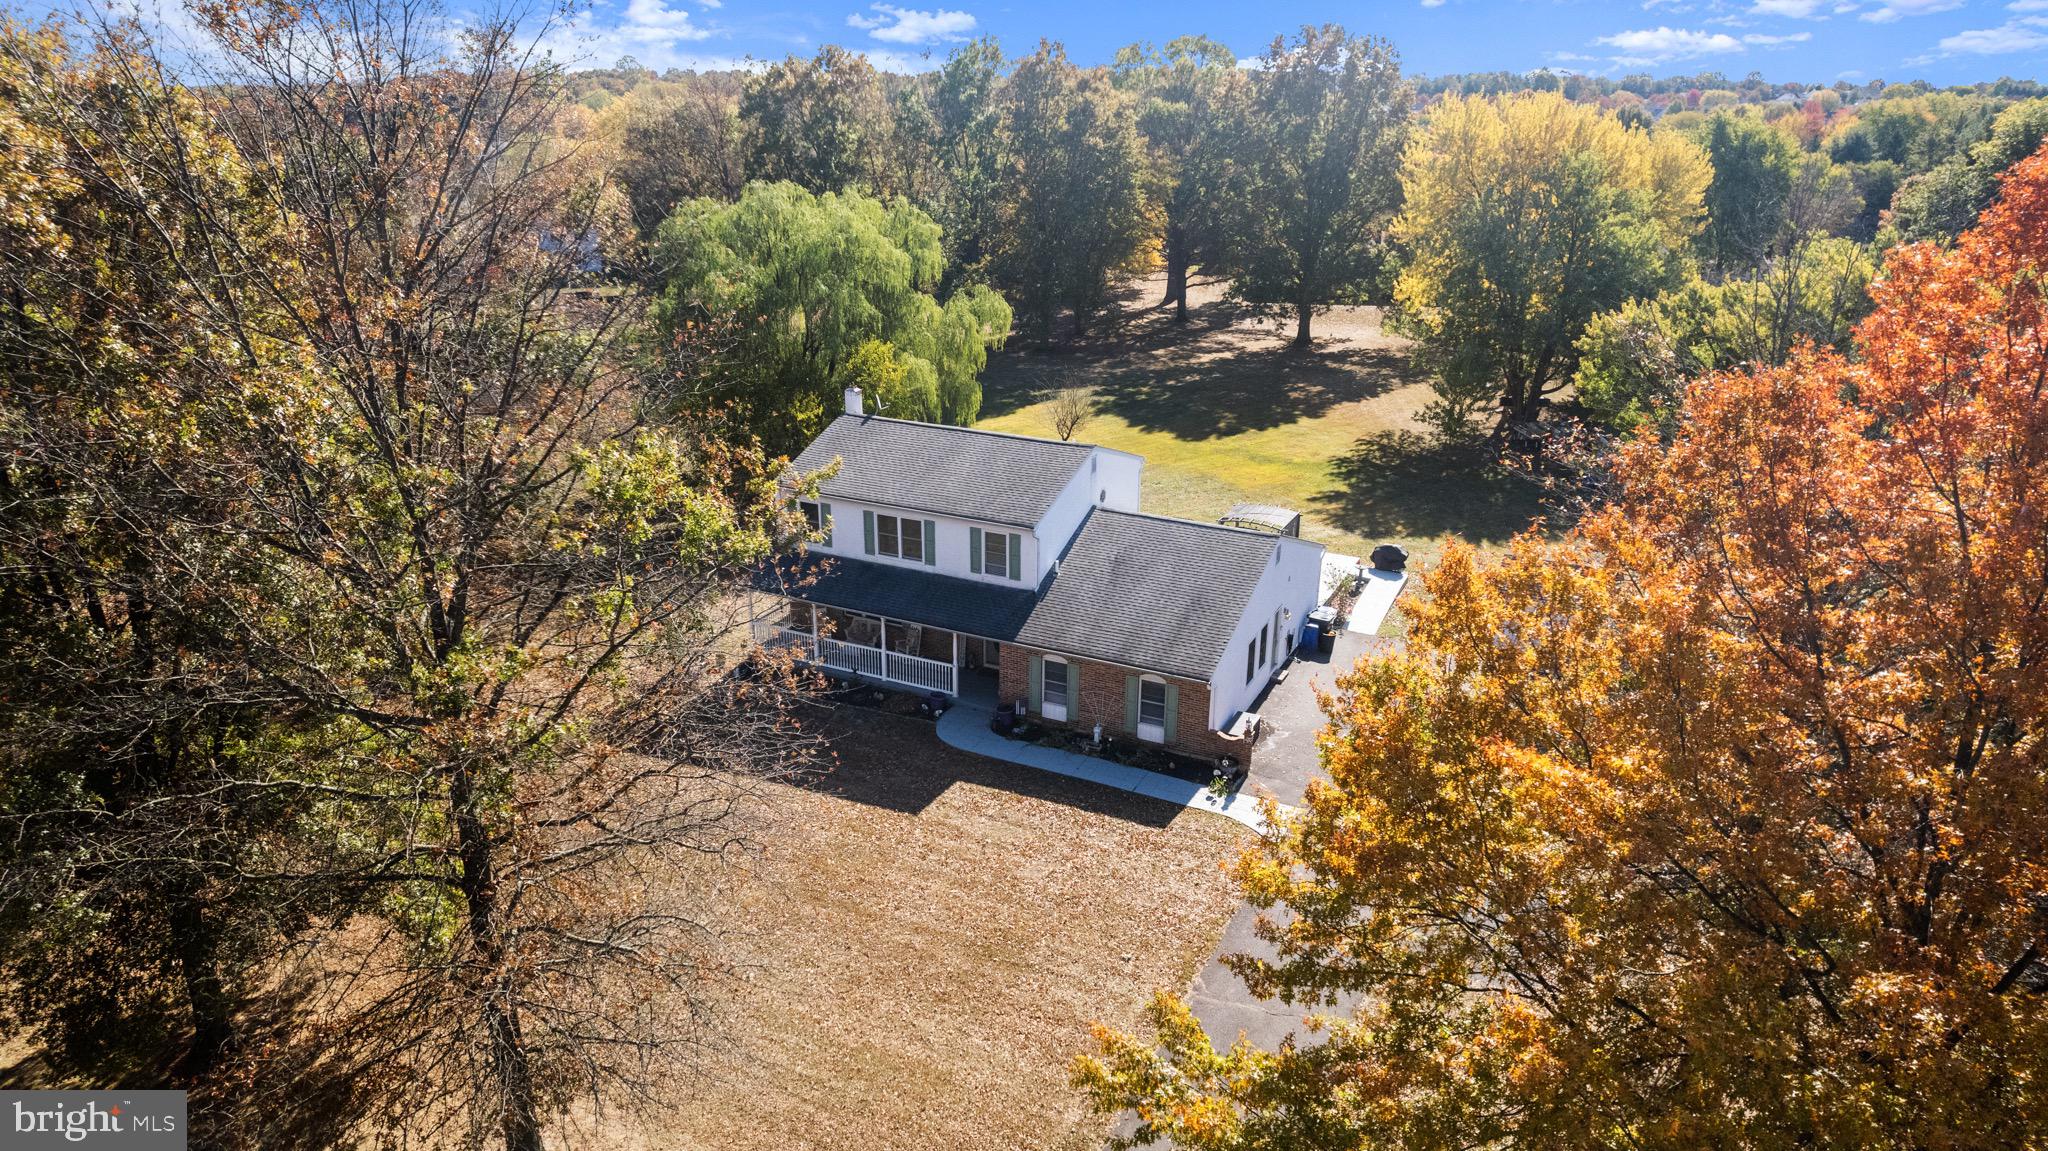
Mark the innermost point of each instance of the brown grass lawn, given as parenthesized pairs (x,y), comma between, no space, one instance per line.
(1224,412)
(930,936)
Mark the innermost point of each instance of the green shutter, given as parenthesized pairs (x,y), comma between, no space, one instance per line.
(1172,712)
(974,550)
(867,529)
(1037,684)
(1016,557)
(825,521)
(931,544)
(1131,704)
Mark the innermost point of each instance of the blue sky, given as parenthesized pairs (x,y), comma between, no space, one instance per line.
(1943,41)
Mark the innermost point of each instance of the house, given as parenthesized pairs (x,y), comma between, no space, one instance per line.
(964,561)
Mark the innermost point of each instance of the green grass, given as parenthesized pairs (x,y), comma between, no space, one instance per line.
(1224,413)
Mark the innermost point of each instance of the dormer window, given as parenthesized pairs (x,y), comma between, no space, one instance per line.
(995,553)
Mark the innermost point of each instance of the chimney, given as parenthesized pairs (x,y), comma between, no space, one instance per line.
(853,407)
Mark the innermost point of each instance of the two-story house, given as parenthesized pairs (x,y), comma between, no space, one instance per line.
(949,553)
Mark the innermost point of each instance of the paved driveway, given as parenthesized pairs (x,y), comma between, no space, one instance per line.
(1286,757)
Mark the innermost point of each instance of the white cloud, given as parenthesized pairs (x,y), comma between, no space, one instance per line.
(1657,45)
(2029,35)
(1894,9)
(1432,3)
(912,25)
(650,31)
(2027,6)
(1794,9)
(1763,41)
(889,60)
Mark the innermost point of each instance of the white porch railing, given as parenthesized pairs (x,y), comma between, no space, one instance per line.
(873,662)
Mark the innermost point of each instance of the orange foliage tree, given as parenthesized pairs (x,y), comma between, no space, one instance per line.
(1722,822)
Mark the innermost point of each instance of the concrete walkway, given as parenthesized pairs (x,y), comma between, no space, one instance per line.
(965,726)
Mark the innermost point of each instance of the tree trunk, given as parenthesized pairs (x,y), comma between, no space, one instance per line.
(206,994)
(1302,311)
(1176,271)
(509,1058)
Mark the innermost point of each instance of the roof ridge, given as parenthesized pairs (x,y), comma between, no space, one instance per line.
(1196,523)
(977,431)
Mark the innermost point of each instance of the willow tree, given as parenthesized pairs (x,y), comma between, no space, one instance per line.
(1525,217)
(1721,823)
(814,278)
(392,470)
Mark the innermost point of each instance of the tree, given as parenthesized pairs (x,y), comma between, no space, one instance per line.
(1315,159)
(1070,411)
(395,483)
(1720,823)
(1746,198)
(821,123)
(1636,362)
(951,121)
(681,142)
(1183,91)
(1072,194)
(817,278)
(1525,217)
(1942,201)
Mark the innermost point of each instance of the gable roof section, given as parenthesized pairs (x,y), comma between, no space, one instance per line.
(1150,592)
(944,470)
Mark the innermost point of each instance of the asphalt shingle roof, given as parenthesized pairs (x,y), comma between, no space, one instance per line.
(944,470)
(901,592)
(1149,592)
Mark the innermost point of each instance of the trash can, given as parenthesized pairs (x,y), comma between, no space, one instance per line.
(1324,621)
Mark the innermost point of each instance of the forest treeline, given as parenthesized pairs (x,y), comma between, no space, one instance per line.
(1317,174)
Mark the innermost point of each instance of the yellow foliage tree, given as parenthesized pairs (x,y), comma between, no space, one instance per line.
(1525,216)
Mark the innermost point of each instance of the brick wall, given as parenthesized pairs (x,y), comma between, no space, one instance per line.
(1101,700)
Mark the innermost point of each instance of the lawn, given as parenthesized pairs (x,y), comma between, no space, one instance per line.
(930,935)
(1225,412)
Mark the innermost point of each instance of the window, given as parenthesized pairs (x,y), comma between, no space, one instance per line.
(1251,659)
(1152,704)
(1054,691)
(819,517)
(902,538)
(995,553)
(1262,647)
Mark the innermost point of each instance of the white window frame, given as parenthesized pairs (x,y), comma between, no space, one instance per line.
(1148,730)
(904,528)
(888,535)
(1056,712)
(1001,542)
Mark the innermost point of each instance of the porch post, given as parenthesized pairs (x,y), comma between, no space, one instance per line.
(814,632)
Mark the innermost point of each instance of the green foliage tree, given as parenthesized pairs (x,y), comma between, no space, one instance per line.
(814,279)
(1939,203)
(821,123)
(951,130)
(1074,210)
(1313,169)
(1526,216)
(1636,362)
(1746,199)
(1184,92)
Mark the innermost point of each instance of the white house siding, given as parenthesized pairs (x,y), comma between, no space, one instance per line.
(953,534)
(1292,582)
(1110,478)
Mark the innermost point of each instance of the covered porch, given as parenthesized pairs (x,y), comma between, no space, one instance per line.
(903,653)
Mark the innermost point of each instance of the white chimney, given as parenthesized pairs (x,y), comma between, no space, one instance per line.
(853,407)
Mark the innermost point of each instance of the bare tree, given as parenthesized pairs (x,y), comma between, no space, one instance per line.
(1070,410)
(433,521)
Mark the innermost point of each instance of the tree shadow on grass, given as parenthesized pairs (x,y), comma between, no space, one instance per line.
(1211,376)
(1404,484)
